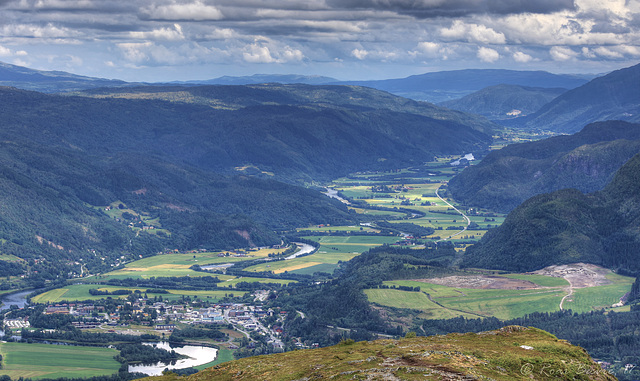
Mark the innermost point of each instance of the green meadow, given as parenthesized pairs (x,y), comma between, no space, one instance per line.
(37,361)
(80,292)
(502,304)
(333,249)
(592,298)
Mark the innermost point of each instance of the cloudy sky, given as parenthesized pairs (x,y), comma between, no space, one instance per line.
(161,40)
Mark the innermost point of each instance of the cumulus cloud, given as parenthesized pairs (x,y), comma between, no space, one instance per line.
(5,52)
(195,11)
(169,34)
(359,53)
(561,53)
(37,31)
(472,33)
(260,53)
(430,49)
(487,54)
(521,57)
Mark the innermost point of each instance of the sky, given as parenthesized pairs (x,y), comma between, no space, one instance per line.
(165,40)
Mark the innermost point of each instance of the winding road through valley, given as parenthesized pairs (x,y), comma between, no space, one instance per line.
(456,209)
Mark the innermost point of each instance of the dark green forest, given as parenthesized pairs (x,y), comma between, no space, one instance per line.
(568,226)
(586,161)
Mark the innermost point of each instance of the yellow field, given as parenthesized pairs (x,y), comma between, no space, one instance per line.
(296,267)
(50,295)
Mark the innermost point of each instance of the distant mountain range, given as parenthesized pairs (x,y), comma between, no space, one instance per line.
(50,81)
(432,87)
(442,86)
(586,160)
(501,102)
(613,96)
(264,78)
(568,226)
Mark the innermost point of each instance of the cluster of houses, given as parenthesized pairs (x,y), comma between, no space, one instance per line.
(163,316)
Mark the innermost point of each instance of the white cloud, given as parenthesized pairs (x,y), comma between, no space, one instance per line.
(256,53)
(359,53)
(169,34)
(488,54)
(36,31)
(195,11)
(588,53)
(606,52)
(66,4)
(521,57)
(5,52)
(472,33)
(219,34)
(561,53)
(135,51)
(430,49)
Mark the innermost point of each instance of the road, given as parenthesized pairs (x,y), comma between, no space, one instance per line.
(456,209)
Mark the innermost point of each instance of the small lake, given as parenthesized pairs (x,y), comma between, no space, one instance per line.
(198,355)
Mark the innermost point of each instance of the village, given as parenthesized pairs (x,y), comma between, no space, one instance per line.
(137,315)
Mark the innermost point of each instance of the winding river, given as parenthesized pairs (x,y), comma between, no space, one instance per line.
(15,299)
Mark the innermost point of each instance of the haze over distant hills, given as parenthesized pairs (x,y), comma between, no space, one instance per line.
(447,85)
(50,81)
(501,102)
(613,96)
(432,87)
(586,160)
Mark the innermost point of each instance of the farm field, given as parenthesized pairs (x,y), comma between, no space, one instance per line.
(591,298)
(178,265)
(501,303)
(412,300)
(79,292)
(333,249)
(37,361)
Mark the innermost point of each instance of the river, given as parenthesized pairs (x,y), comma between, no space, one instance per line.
(15,299)
(197,356)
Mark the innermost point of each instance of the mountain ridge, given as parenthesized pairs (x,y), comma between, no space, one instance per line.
(567,226)
(586,160)
(612,96)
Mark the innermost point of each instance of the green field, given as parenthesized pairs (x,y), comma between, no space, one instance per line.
(502,304)
(45,361)
(589,299)
(414,301)
(333,249)
(178,265)
(79,292)
(234,281)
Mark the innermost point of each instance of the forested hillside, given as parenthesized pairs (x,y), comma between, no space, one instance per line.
(54,201)
(230,127)
(613,96)
(91,181)
(586,161)
(568,226)
(502,102)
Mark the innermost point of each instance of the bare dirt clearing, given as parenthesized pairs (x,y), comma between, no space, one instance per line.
(579,275)
(482,282)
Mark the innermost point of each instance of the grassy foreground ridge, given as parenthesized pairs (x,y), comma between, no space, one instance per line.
(511,353)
